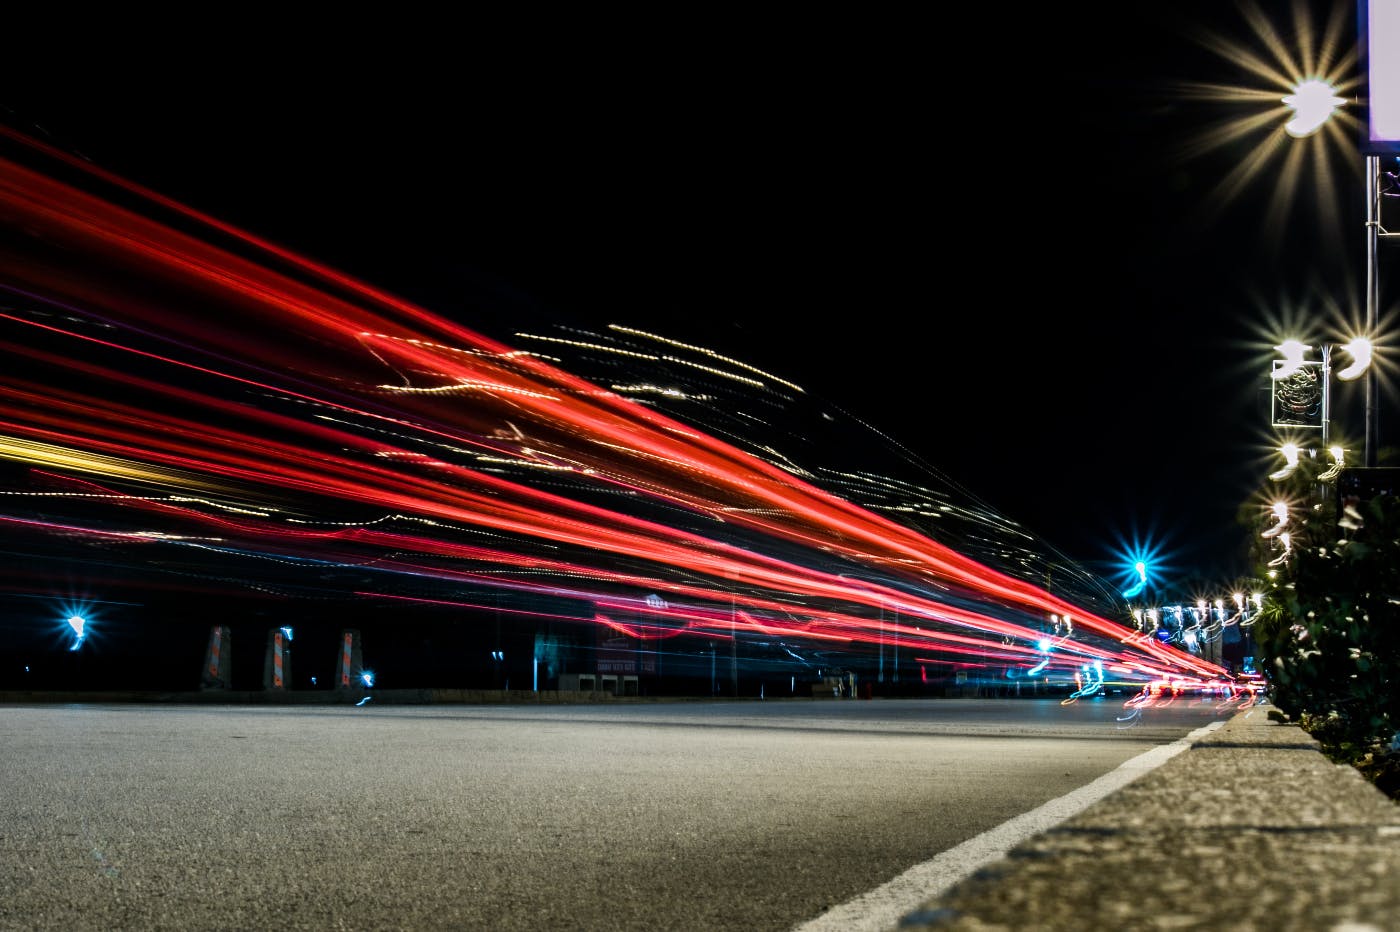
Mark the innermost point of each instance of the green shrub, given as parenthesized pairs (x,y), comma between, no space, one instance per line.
(1329,635)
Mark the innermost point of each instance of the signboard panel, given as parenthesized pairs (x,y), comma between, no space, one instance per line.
(1378,34)
(1298,398)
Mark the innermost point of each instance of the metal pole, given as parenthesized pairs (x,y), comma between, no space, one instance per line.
(880,670)
(733,651)
(1373,223)
(1326,393)
(882,642)
(896,645)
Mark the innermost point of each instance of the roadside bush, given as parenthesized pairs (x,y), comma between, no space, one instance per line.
(1329,634)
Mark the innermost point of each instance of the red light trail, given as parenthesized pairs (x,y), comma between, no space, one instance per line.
(183,386)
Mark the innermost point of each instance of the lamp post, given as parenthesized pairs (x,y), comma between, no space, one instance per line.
(1377,35)
(1373,227)
(1316,88)
(1302,394)
(1313,102)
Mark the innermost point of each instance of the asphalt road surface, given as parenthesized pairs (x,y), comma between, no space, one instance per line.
(679,816)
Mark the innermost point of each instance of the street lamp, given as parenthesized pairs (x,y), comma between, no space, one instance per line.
(1313,102)
(1133,591)
(78,625)
(1302,393)
(1324,102)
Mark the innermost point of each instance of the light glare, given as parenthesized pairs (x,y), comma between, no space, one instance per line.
(79,625)
(1360,352)
(1290,454)
(1280,511)
(1312,102)
(1293,352)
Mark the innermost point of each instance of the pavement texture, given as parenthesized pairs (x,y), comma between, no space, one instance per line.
(1253,827)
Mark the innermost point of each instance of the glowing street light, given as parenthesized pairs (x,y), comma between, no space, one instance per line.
(1313,102)
(1290,454)
(1294,359)
(1338,461)
(1280,512)
(79,626)
(1141,568)
(1359,350)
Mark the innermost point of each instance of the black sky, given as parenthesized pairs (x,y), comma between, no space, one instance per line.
(981,232)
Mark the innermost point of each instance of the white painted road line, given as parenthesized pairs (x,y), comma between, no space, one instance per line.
(882,908)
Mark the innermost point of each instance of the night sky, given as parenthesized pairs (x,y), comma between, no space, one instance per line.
(996,236)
